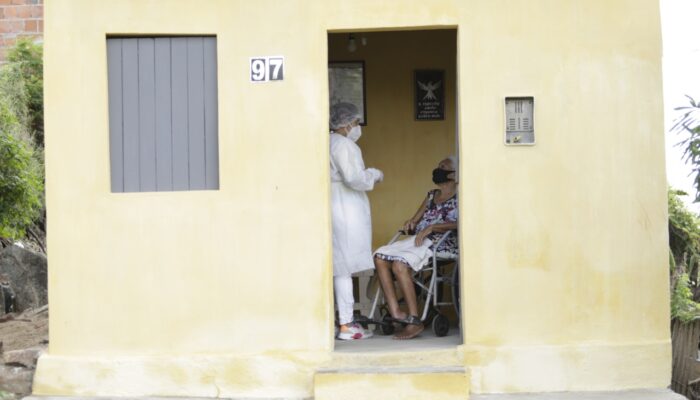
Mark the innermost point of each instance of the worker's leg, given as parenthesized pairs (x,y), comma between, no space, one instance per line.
(343,298)
(345,301)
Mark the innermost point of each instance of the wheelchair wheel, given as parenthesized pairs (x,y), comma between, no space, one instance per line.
(387,326)
(441,325)
(363,321)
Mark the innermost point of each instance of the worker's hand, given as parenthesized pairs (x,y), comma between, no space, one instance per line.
(409,226)
(377,174)
(422,235)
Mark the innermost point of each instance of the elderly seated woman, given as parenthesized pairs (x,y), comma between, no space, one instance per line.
(436,215)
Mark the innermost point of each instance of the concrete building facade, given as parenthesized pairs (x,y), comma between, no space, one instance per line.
(227,292)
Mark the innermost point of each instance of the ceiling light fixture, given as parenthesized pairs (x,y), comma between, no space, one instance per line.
(352,46)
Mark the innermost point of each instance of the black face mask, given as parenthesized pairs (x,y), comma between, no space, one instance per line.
(440,175)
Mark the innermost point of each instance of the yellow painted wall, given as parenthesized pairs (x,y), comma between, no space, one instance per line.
(564,244)
(404,149)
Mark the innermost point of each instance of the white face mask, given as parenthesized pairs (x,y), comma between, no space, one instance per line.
(354,133)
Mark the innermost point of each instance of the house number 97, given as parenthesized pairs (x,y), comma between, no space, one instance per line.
(264,69)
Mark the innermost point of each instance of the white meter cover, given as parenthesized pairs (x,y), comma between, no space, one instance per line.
(520,120)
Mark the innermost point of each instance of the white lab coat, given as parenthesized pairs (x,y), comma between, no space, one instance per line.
(352,222)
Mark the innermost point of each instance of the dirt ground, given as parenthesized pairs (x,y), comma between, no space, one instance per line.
(22,338)
(29,329)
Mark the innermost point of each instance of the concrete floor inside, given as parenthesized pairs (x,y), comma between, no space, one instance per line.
(381,343)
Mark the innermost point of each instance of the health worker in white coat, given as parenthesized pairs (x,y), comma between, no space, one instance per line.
(352,222)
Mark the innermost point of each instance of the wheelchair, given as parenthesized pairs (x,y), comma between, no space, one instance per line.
(430,281)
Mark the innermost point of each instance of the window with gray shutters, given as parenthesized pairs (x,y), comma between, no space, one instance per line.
(163,113)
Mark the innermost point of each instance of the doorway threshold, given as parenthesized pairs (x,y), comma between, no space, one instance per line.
(426,350)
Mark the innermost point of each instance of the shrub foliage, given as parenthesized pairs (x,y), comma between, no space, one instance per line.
(684,240)
(21,140)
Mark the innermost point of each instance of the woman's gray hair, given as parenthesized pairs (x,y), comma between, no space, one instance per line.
(455,164)
(454,160)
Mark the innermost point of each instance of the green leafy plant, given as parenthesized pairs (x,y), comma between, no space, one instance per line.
(689,123)
(682,305)
(21,186)
(684,258)
(23,84)
(21,166)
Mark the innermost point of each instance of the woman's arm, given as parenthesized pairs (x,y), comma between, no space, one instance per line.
(435,228)
(410,225)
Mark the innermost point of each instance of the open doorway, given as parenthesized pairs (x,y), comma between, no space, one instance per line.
(404,83)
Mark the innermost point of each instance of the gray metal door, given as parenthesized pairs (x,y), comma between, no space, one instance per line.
(163,114)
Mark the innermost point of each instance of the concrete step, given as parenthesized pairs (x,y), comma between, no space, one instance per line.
(382,351)
(640,394)
(385,383)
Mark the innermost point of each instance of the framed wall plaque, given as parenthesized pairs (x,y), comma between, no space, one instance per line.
(429,88)
(346,84)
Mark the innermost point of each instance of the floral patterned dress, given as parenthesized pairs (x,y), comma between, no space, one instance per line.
(435,213)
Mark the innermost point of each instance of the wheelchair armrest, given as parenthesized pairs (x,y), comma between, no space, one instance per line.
(442,238)
(401,232)
(396,236)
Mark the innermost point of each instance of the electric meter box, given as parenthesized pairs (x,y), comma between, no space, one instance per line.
(520,119)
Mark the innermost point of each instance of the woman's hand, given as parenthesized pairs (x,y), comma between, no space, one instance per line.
(409,226)
(422,235)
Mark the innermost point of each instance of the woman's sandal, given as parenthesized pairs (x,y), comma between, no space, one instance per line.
(409,332)
(413,328)
(409,320)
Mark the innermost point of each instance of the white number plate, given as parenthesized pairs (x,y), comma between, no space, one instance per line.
(265,69)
